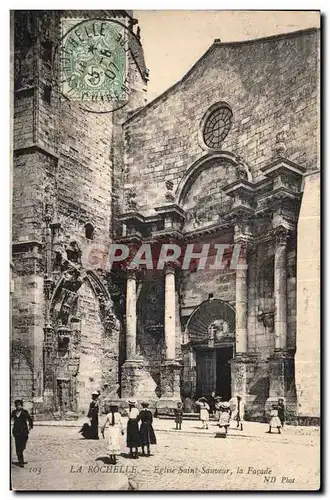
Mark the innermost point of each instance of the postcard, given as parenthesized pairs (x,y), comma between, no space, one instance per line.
(165,267)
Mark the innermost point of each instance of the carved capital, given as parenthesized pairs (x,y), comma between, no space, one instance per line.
(281,236)
(242,232)
(133,271)
(170,267)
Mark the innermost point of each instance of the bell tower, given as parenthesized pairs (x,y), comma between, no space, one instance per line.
(67,188)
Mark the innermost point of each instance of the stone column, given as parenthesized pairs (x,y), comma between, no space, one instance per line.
(169,320)
(279,361)
(280,286)
(136,381)
(131,314)
(241,304)
(242,363)
(170,369)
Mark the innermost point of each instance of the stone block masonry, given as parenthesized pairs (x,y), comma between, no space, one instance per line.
(64,178)
(271,85)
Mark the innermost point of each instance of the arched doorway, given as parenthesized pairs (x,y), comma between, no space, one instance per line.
(210,332)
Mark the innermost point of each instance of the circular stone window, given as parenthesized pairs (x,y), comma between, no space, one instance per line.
(217,126)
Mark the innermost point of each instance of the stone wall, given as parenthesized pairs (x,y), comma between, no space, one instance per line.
(66,161)
(271,85)
(308,356)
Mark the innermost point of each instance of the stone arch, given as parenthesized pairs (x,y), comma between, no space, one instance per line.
(21,374)
(196,168)
(81,313)
(201,194)
(215,312)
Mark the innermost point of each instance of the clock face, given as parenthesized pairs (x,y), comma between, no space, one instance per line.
(217,127)
(93,60)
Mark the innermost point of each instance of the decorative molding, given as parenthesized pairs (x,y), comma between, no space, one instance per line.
(194,171)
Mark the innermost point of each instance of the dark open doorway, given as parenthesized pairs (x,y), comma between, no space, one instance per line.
(213,372)
(223,371)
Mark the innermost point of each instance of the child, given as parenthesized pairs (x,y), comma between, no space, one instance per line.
(178,412)
(116,429)
(204,412)
(224,419)
(217,407)
(274,420)
(237,411)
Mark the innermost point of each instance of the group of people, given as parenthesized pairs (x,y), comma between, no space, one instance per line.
(223,411)
(139,430)
(227,411)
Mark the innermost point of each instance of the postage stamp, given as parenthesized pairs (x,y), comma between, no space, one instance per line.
(93,60)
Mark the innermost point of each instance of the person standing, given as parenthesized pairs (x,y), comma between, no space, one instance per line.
(178,412)
(281,411)
(23,423)
(212,401)
(204,412)
(133,434)
(93,415)
(217,407)
(147,434)
(274,420)
(116,429)
(224,419)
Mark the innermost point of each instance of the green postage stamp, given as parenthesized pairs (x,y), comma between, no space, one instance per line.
(93,60)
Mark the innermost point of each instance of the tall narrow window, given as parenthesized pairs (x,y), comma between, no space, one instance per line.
(89,231)
(47,91)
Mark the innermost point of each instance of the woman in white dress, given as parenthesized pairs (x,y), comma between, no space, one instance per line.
(116,430)
(204,412)
(224,419)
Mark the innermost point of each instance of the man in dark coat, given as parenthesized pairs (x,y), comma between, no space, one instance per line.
(93,415)
(23,423)
(281,411)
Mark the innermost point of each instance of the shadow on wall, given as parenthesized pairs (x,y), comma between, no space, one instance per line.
(258,394)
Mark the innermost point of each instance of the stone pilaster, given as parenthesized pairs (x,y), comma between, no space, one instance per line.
(170,369)
(136,381)
(279,361)
(241,308)
(170,386)
(131,314)
(242,239)
(242,372)
(280,289)
(169,319)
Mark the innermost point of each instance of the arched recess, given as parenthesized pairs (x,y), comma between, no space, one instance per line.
(196,168)
(200,191)
(81,342)
(213,320)
(21,374)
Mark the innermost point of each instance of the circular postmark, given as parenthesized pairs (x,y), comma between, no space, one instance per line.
(93,63)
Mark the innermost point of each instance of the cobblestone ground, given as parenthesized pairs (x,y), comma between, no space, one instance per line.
(59,459)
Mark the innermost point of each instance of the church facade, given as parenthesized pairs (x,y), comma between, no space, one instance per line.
(226,158)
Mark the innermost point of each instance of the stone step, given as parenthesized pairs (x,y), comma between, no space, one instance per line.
(186,416)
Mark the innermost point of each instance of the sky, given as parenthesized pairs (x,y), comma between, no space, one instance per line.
(174,40)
